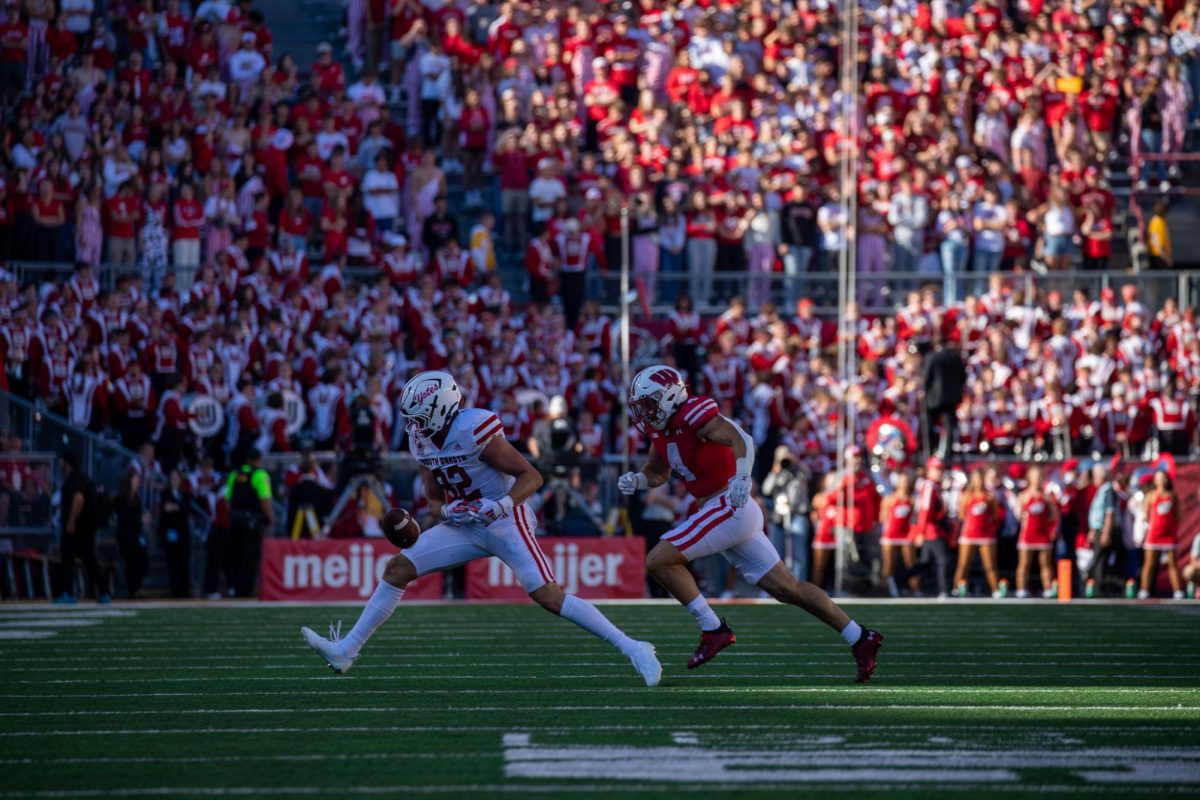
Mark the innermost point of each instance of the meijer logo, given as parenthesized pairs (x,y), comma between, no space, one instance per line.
(360,570)
(570,568)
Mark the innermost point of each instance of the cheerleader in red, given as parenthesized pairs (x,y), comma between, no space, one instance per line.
(1039,529)
(897,514)
(824,512)
(1162,516)
(979,513)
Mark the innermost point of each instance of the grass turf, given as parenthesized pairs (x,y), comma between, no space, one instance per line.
(1005,699)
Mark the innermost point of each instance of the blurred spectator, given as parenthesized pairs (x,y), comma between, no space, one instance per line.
(81,515)
(131,518)
(175,533)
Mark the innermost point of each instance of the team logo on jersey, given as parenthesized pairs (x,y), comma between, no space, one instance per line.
(434,462)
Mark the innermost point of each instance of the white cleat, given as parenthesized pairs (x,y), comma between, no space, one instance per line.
(646,663)
(331,649)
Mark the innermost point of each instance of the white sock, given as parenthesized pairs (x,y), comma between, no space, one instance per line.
(588,617)
(705,618)
(376,612)
(851,632)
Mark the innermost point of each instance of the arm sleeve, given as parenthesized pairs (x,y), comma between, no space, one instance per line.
(261,482)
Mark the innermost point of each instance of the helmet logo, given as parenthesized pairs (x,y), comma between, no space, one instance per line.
(425,392)
(664,377)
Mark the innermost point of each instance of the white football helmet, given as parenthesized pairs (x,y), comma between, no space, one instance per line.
(429,402)
(655,395)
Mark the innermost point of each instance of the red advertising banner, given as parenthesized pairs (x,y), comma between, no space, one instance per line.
(331,570)
(597,568)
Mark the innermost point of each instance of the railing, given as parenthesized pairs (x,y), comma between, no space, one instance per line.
(27,502)
(44,435)
(877,293)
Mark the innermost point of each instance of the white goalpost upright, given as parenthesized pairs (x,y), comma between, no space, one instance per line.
(847,360)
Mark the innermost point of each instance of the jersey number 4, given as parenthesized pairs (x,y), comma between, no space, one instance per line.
(676,462)
(455,483)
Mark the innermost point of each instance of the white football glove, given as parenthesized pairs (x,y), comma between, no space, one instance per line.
(631,482)
(739,490)
(485,512)
(457,512)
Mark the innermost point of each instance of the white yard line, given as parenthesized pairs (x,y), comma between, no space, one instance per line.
(567,731)
(712,675)
(1176,708)
(933,690)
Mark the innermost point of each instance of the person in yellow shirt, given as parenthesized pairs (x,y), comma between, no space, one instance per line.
(1158,238)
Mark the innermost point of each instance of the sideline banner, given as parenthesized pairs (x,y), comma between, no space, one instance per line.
(331,570)
(593,567)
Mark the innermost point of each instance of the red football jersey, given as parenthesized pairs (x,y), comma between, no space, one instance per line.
(704,467)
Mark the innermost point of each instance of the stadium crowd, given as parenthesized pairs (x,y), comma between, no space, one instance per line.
(282,238)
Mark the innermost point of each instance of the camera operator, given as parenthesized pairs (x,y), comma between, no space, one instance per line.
(363,456)
(555,449)
(785,488)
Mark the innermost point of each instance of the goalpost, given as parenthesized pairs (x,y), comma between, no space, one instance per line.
(847,359)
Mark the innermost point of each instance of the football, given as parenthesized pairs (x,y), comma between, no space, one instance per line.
(400,528)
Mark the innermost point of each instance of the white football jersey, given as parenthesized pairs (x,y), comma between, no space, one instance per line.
(457,465)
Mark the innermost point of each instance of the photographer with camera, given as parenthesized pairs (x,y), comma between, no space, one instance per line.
(785,488)
(555,449)
(363,456)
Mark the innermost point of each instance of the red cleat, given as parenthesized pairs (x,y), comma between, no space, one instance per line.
(711,643)
(864,654)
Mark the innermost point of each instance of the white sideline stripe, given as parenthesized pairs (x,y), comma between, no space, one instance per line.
(610,689)
(19,634)
(286,757)
(494,709)
(66,613)
(50,622)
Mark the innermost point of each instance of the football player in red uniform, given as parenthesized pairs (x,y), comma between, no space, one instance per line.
(714,457)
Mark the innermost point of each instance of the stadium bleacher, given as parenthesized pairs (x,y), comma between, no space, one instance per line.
(186,208)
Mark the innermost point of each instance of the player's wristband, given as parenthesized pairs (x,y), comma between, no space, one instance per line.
(506,504)
(643,482)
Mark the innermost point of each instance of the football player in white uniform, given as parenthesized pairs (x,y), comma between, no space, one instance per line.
(477,483)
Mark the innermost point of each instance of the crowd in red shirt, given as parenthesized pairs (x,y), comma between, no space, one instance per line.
(168,141)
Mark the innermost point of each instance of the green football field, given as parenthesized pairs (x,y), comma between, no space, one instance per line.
(1004,699)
